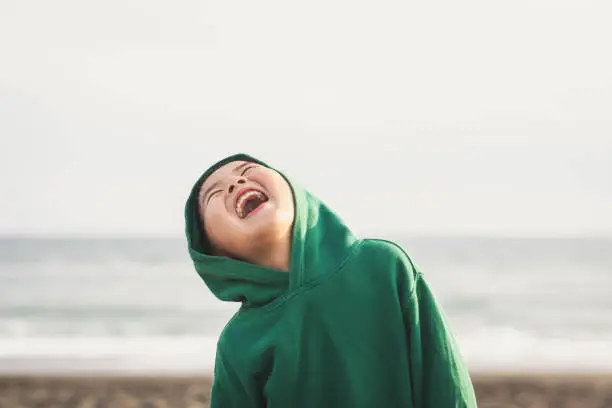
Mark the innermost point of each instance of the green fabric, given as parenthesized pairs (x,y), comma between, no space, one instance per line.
(353,323)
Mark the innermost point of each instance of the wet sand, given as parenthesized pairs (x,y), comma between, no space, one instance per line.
(493,391)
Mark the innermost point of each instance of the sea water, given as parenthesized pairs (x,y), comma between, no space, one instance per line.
(137,305)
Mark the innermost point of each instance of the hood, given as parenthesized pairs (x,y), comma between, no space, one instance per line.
(320,245)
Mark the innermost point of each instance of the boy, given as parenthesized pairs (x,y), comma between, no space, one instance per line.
(327,320)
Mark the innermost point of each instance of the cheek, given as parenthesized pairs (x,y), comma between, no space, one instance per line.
(215,221)
(282,190)
(270,181)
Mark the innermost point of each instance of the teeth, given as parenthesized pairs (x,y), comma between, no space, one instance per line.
(243,199)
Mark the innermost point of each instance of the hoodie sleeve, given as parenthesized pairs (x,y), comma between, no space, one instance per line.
(440,377)
(228,389)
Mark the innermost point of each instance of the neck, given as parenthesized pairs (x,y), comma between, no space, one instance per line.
(275,256)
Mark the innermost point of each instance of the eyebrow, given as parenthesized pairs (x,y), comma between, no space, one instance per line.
(216,183)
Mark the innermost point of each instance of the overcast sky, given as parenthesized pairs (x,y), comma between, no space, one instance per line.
(440,117)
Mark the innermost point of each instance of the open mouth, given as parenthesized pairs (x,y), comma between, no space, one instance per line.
(249,201)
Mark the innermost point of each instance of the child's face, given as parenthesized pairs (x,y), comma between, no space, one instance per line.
(245,205)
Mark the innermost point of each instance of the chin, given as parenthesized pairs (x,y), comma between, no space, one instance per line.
(268,224)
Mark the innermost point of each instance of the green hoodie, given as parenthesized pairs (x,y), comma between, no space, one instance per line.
(353,324)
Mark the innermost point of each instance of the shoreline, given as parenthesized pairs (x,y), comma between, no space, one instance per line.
(475,375)
(493,390)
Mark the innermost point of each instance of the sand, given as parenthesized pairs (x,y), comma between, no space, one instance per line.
(493,390)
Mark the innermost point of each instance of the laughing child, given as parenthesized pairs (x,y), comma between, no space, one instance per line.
(327,320)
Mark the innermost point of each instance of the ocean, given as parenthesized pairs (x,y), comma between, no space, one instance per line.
(137,305)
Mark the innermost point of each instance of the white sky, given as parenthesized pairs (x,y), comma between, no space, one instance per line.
(441,117)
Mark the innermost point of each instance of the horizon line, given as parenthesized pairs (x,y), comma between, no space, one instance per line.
(371,234)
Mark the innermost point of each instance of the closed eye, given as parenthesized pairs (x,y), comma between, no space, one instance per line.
(246,169)
(211,195)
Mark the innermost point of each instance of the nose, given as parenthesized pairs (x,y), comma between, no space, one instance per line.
(232,186)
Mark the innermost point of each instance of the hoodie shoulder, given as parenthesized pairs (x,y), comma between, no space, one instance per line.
(384,249)
(391,257)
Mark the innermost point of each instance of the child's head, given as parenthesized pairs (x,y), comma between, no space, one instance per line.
(239,252)
(246,209)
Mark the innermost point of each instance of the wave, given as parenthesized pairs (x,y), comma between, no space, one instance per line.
(486,350)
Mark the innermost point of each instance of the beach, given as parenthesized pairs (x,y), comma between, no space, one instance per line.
(127,322)
(493,391)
